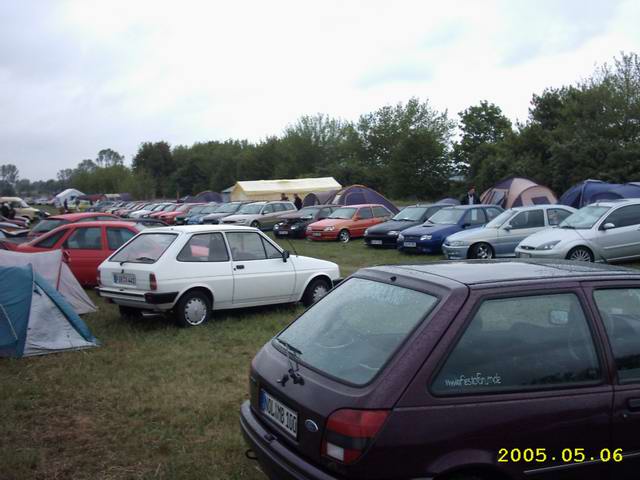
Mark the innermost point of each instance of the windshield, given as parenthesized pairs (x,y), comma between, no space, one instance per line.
(144,248)
(227,208)
(47,225)
(411,214)
(584,218)
(185,207)
(307,212)
(209,209)
(447,216)
(355,330)
(343,213)
(170,208)
(158,208)
(500,219)
(251,208)
(197,209)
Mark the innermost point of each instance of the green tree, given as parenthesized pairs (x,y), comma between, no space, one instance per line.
(156,160)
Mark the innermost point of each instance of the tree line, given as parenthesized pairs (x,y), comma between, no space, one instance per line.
(409,150)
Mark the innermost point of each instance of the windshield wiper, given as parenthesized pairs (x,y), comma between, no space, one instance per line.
(568,226)
(292,358)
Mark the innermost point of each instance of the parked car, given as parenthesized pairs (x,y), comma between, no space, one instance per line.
(349,222)
(428,237)
(262,215)
(477,370)
(501,236)
(169,217)
(85,245)
(147,210)
(194,270)
(54,221)
(602,232)
(182,218)
(16,222)
(222,211)
(21,208)
(294,224)
(197,218)
(386,234)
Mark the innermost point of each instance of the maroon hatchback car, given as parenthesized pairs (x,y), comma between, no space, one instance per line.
(478,370)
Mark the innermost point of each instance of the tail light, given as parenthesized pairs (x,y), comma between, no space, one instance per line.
(153,283)
(350,432)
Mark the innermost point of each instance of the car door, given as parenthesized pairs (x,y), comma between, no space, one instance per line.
(267,219)
(517,228)
(85,251)
(622,241)
(204,260)
(260,276)
(364,219)
(619,309)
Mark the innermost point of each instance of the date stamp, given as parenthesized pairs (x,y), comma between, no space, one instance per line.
(566,455)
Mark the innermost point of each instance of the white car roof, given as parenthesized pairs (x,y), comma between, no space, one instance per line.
(200,229)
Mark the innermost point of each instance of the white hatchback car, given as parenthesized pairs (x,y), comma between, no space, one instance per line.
(193,270)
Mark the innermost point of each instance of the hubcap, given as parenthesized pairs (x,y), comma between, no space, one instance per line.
(344,237)
(319,292)
(581,256)
(484,251)
(195,311)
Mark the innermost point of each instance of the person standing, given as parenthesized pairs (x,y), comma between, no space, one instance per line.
(297,201)
(4,210)
(284,198)
(471,197)
(66,206)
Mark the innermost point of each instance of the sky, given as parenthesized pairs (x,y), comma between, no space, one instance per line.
(81,75)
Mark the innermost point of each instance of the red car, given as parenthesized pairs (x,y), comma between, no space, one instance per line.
(348,222)
(170,217)
(85,245)
(55,221)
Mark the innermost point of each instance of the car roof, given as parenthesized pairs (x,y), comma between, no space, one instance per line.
(99,223)
(467,207)
(543,207)
(201,229)
(495,271)
(360,205)
(615,203)
(77,216)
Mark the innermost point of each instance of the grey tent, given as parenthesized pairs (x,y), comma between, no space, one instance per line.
(52,268)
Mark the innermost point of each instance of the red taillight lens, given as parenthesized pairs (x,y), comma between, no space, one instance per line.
(350,432)
(153,284)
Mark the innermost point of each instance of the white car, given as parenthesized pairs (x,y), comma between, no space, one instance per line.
(193,270)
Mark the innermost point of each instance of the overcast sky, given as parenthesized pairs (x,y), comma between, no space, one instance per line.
(80,76)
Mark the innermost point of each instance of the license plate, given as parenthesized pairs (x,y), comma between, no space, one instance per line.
(283,232)
(376,242)
(283,416)
(317,234)
(525,255)
(409,244)
(124,278)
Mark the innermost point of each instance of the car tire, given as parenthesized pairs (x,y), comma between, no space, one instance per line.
(344,236)
(193,309)
(482,251)
(580,254)
(255,224)
(129,312)
(317,289)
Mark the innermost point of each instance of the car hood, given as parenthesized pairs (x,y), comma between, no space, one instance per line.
(473,234)
(329,222)
(244,216)
(551,235)
(436,230)
(301,262)
(210,216)
(392,225)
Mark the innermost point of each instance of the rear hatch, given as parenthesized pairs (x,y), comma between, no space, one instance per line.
(325,385)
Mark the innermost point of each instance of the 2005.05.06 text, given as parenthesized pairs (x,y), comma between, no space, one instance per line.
(566,455)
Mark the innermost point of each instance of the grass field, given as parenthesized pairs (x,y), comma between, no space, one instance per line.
(155,401)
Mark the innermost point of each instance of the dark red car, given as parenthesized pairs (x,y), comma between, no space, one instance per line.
(55,221)
(85,245)
(480,370)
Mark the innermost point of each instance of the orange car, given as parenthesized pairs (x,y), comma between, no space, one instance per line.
(348,222)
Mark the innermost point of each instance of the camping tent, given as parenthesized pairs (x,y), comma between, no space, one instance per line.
(35,319)
(70,194)
(590,191)
(207,196)
(271,189)
(352,195)
(518,192)
(56,272)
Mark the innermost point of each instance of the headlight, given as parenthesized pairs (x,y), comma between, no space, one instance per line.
(456,243)
(276,226)
(425,237)
(400,237)
(393,233)
(241,220)
(366,232)
(294,227)
(548,245)
(330,228)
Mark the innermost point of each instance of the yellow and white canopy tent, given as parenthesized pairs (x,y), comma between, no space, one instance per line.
(272,189)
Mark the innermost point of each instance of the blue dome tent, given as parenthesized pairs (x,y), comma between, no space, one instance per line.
(590,191)
(352,195)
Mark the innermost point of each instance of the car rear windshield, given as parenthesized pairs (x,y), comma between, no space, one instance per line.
(251,208)
(147,248)
(352,332)
(584,218)
(343,213)
(447,216)
(47,225)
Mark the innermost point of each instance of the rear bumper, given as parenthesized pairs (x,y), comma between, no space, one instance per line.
(143,300)
(276,460)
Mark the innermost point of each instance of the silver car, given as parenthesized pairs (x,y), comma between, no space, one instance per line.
(602,232)
(262,215)
(501,236)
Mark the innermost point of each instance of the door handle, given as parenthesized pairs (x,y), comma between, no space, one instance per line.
(239,267)
(633,404)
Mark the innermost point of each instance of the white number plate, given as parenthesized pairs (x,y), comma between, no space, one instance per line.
(376,242)
(124,278)
(409,244)
(283,416)
(317,234)
(283,232)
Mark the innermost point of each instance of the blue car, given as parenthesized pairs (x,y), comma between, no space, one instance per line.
(428,237)
(198,217)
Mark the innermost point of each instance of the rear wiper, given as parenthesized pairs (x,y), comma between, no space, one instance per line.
(292,358)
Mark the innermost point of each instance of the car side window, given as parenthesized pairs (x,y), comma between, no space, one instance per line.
(521,343)
(116,237)
(51,240)
(324,213)
(272,252)
(624,216)
(620,313)
(492,213)
(85,239)
(365,213)
(205,247)
(475,216)
(279,207)
(246,246)
(557,215)
(267,209)
(528,219)
(380,212)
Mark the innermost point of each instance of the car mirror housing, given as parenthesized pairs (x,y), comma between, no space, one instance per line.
(466,225)
(285,254)
(507,227)
(608,226)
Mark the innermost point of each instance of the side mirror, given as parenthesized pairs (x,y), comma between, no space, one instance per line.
(285,254)
(466,225)
(507,227)
(608,226)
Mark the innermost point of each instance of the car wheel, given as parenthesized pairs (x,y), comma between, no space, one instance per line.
(193,309)
(482,251)
(255,224)
(129,312)
(580,254)
(344,236)
(317,289)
